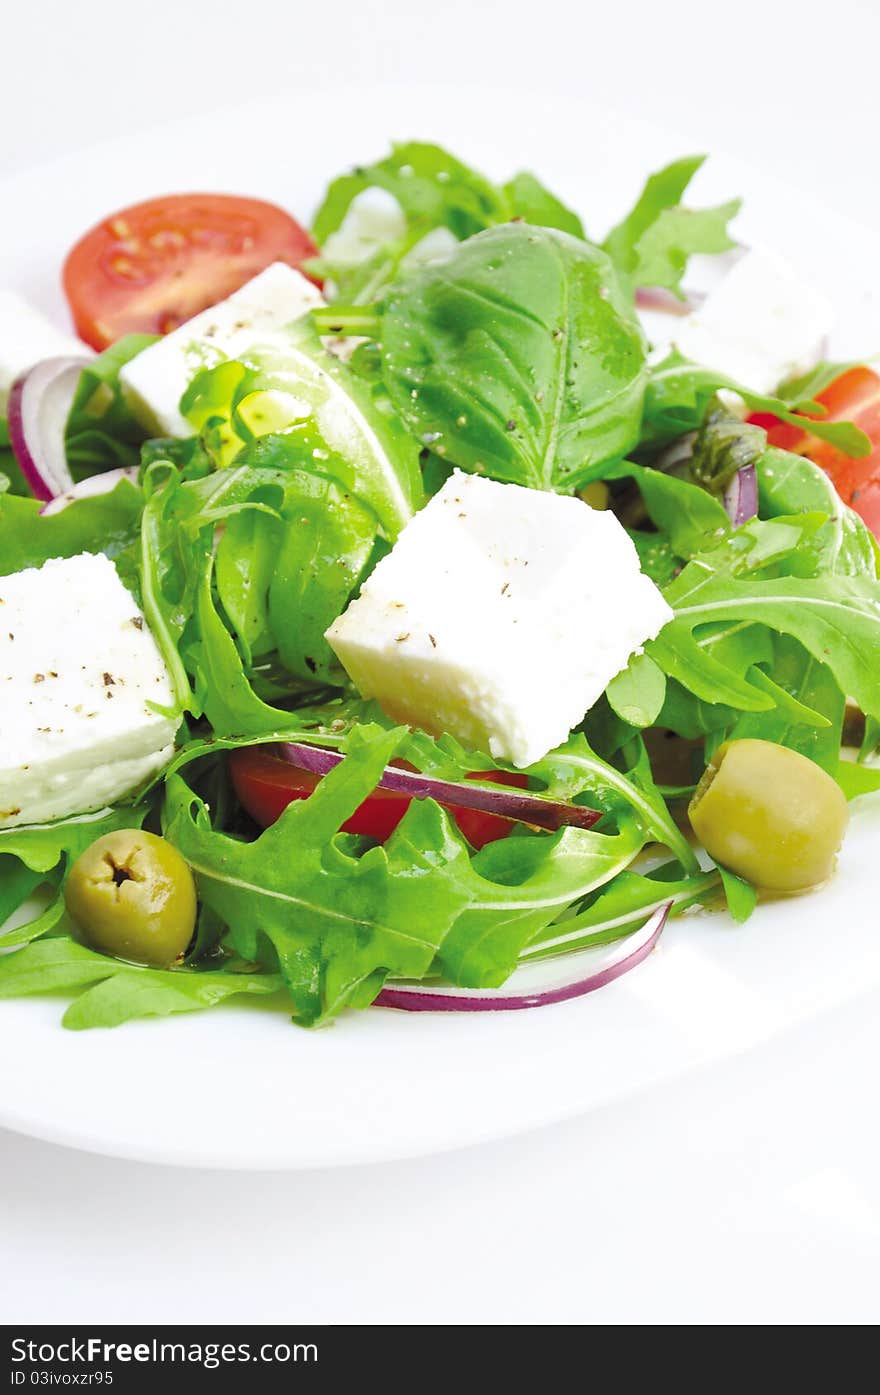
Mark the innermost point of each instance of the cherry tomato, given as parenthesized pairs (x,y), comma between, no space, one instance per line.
(156,264)
(265,784)
(854,396)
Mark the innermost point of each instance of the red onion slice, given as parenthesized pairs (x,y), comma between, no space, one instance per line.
(741,496)
(656,298)
(39,405)
(89,488)
(533,985)
(508,803)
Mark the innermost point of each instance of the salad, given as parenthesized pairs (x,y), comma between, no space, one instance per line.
(421,610)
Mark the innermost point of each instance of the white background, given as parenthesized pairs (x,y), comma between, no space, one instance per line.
(745,1194)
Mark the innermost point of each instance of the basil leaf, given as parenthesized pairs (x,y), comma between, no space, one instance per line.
(519,358)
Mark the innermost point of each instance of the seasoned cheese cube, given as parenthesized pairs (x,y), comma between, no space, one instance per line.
(253,317)
(500,616)
(78,672)
(26,337)
(760,324)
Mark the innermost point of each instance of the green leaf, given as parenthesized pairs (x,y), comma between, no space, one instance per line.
(118,992)
(741,896)
(324,553)
(619,908)
(524,882)
(809,705)
(725,445)
(792,484)
(678,393)
(518,358)
(245,562)
(334,919)
(835,618)
(575,768)
(101,432)
(33,854)
(41,847)
(314,412)
(104,523)
(37,926)
(533,202)
(687,516)
(654,241)
(855,779)
(638,692)
(433,188)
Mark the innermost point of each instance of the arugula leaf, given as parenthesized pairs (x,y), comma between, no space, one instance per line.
(678,393)
(433,188)
(519,358)
(835,618)
(620,907)
(534,203)
(117,992)
(103,523)
(575,768)
(11,478)
(652,244)
(637,694)
(741,896)
(855,779)
(334,919)
(41,847)
(792,484)
(811,720)
(36,854)
(687,516)
(304,407)
(245,561)
(101,432)
(802,391)
(524,882)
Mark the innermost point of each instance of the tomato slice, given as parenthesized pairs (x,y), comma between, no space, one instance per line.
(150,267)
(265,784)
(853,396)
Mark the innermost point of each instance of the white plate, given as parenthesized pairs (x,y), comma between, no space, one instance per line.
(239,1087)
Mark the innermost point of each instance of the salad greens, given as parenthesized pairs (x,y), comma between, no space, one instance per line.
(517,354)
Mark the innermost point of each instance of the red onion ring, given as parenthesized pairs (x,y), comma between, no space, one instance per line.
(89,488)
(421,997)
(741,496)
(516,805)
(656,298)
(38,408)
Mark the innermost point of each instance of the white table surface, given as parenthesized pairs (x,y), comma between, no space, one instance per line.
(746,1194)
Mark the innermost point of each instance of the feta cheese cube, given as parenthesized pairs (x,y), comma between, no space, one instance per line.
(26,337)
(759,325)
(78,667)
(253,317)
(500,616)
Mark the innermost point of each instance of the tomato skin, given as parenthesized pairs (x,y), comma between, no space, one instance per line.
(853,396)
(154,265)
(265,784)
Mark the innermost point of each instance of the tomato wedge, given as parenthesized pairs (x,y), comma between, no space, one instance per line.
(265,784)
(150,267)
(853,396)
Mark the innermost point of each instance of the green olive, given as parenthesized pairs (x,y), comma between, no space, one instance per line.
(133,896)
(770,815)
